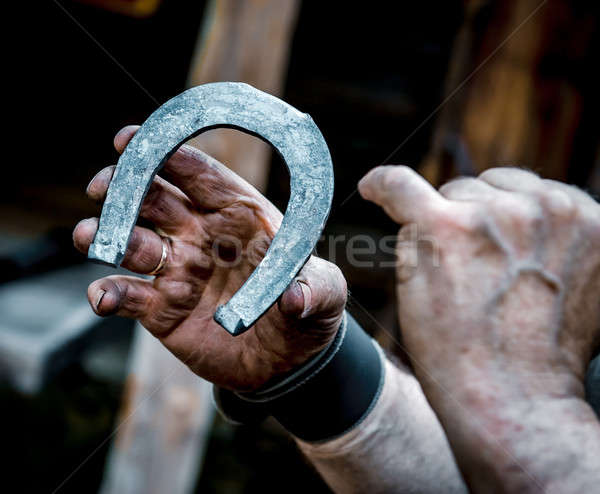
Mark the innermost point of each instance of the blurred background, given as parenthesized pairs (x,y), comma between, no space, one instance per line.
(449,87)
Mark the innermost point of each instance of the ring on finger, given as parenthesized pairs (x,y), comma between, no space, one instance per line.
(163,258)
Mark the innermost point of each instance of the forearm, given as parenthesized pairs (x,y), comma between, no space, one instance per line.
(364,423)
(399,447)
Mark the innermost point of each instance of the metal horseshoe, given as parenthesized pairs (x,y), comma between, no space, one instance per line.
(240,106)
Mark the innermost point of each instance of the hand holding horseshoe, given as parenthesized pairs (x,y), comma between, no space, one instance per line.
(202,201)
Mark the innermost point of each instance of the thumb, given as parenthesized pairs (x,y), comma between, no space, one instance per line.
(296,300)
(319,291)
(404,195)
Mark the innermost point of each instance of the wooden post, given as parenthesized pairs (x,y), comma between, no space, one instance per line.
(167,411)
(162,428)
(248,41)
(521,103)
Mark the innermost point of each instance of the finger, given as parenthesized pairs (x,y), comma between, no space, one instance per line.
(208,183)
(125,296)
(144,251)
(164,205)
(124,136)
(319,290)
(98,185)
(557,198)
(134,298)
(577,194)
(570,199)
(512,180)
(294,299)
(405,195)
(468,189)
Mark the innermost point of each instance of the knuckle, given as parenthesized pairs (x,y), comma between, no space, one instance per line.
(590,216)
(471,220)
(394,178)
(559,204)
(135,300)
(145,254)
(491,173)
(575,206)
(257,248)
(594,230)
(504,171)
(524,214)
(388,177)
(476,219)
(458,217)
(175,291)
(154,196)
(141,252)
(457,184)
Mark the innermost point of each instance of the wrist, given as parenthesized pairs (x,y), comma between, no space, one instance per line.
(326,397)
(482,383)
(311,340)
(528,443)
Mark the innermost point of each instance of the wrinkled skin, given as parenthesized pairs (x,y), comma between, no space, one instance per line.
(499,303)
(207,212)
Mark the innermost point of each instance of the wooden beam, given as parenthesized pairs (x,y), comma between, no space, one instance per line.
(248,41)
(167,411)
(513,97)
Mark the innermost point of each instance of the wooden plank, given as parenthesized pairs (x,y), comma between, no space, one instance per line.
(167,411)
(247,41)
(522,105)
(162,428)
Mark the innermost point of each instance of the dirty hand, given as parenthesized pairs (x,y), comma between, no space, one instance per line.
(217,228)
(498,285)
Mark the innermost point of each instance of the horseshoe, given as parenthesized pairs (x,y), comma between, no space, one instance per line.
(239,106)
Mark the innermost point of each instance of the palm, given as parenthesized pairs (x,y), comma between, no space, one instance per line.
(218,270)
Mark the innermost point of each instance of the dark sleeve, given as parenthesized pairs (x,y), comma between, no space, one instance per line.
(592,385)
(326,397)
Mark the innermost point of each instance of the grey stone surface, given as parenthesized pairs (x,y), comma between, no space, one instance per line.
(239,106)
(46,323)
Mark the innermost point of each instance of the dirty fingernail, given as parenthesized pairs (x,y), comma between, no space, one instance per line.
(99,299)
(87,189)
(92,188)
(306,293)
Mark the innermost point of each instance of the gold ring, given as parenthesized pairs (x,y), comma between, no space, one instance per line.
(163,258)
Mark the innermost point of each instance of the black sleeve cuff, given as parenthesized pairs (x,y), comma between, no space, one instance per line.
(327,397)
